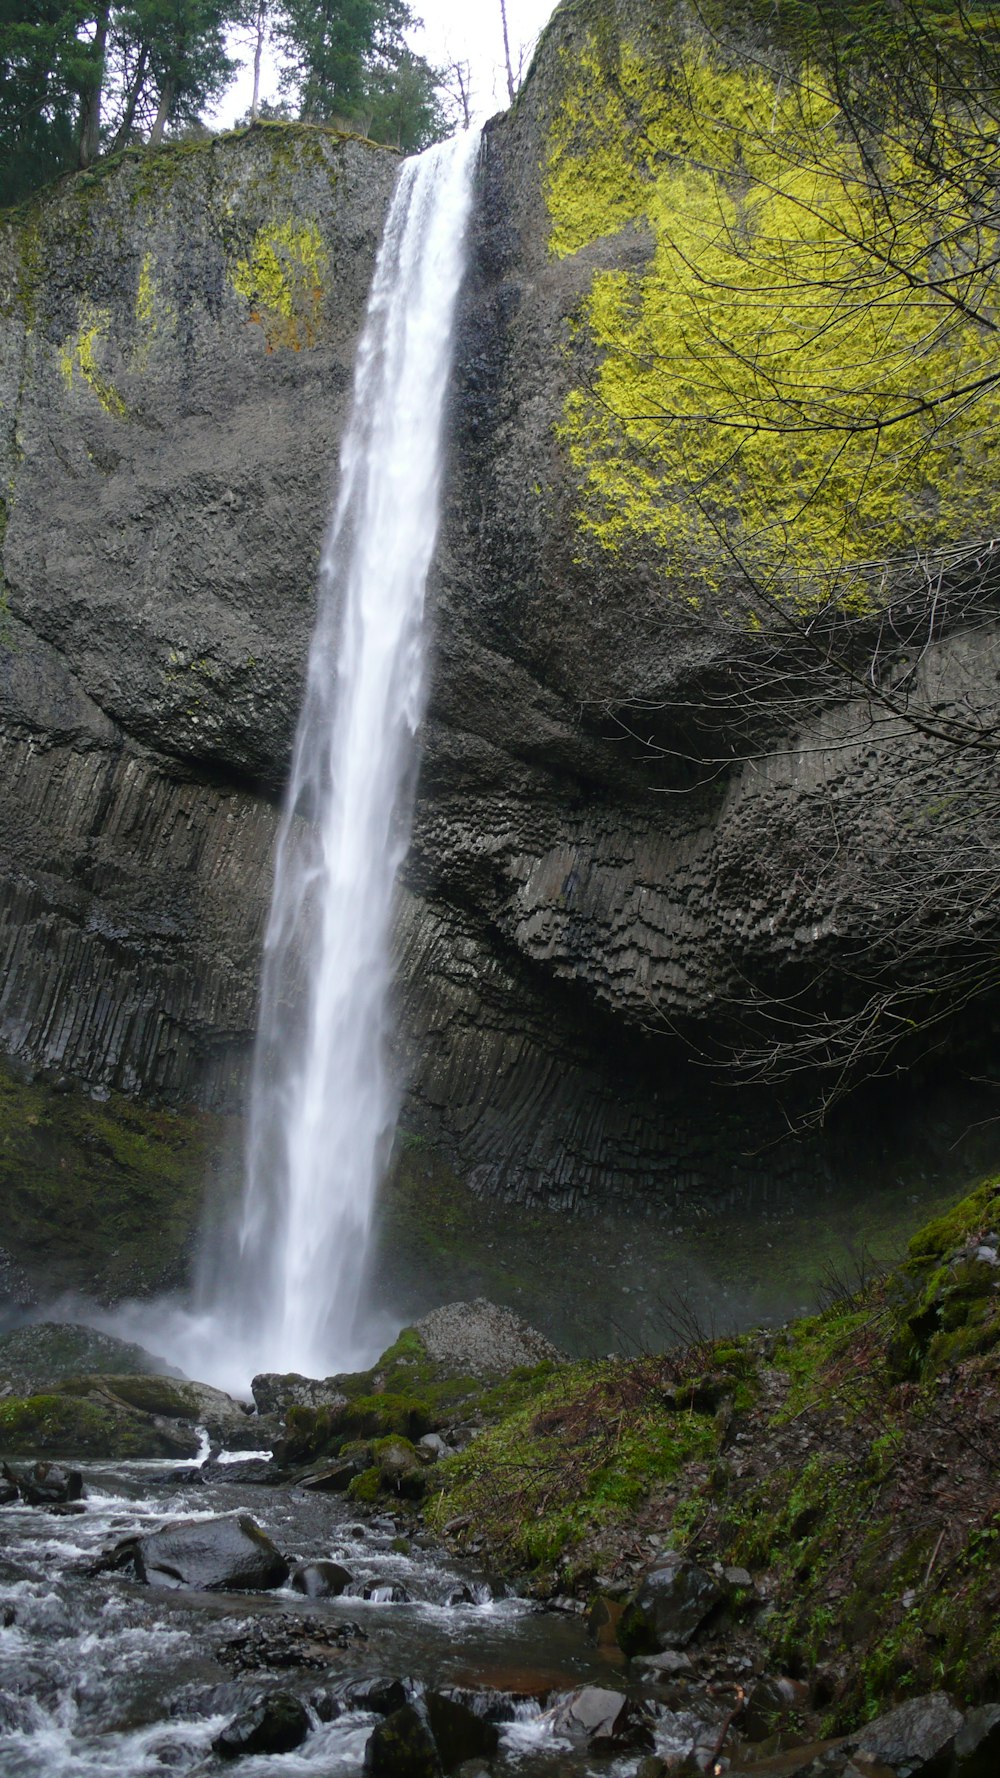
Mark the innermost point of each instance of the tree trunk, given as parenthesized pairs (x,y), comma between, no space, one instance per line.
(134,94)
(90,99)
(167,94)
(258,52)
(511,88)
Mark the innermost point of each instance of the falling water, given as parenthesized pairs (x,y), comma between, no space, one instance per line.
(323,1104)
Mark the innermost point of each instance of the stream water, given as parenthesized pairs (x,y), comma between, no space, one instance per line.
(101,1677)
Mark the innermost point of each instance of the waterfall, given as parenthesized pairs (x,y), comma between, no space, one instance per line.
(323,1102)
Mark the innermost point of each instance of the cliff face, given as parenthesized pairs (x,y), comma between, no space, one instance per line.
(178,338)
(648,822)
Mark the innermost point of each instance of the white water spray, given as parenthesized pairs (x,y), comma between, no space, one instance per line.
(323,1103)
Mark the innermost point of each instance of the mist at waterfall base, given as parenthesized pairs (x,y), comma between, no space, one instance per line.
(286,1287)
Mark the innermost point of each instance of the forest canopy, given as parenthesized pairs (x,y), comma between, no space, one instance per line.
(80,79)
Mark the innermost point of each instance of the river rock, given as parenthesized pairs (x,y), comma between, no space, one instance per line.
(914,1741)
(977,1744)
(377,1694)
(403,1746)
(47,1484)
(460,1734)
(483,1339)
(274,1392)
(192,1404)
(336,1478)
(230,1554)
(399,1469)
(608,1721)
(320,1580)
(386,1593)
(274,1724)
(668,1607)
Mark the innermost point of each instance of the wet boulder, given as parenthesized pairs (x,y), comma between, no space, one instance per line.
(668,1607)
(276,1723)
(403,1746)
(386,1593)
(400,1470)
(460,1734)
(274,1392)
(320,1580)
(222,1555)
(376,1694)
(334,1478)
(46,1484)
(608,1721)
(977,1744)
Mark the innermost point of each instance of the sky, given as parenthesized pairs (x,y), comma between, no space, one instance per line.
(452,31)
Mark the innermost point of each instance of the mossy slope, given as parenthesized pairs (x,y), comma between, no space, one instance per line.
(848,1462)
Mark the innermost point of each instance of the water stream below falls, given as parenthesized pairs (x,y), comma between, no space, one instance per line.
(101,1677)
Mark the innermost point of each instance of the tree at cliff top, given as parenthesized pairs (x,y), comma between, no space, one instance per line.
(44,67)
(348,63)
(76,79)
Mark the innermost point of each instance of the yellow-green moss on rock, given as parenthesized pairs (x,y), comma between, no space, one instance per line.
(772,373)
(282,281)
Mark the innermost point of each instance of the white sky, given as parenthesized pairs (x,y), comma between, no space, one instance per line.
(453,31)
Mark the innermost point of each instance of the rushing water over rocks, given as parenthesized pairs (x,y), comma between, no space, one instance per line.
(103,1678)
(322,1103)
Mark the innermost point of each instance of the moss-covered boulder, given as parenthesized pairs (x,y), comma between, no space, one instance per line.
(44,1352)
(429,1378)
(117,1416)
(93,1424)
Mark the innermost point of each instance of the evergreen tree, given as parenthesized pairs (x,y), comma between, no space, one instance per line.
(405,107)
(348,62)
(46,64)
(78,79)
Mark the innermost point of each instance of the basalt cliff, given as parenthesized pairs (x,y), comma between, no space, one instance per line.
(692,807)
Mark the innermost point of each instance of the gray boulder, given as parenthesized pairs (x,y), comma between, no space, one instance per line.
(222,1555)
(483,1339)
(403,1746)
(320,1580)
(276,1723)
(668,1607)
(915,1741)
(608,1721)
(274,1392)
(977,1744)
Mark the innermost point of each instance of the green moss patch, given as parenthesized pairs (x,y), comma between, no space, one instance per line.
(70,1426)
(102,1198)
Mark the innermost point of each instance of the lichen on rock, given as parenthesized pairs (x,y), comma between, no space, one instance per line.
(778,382)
